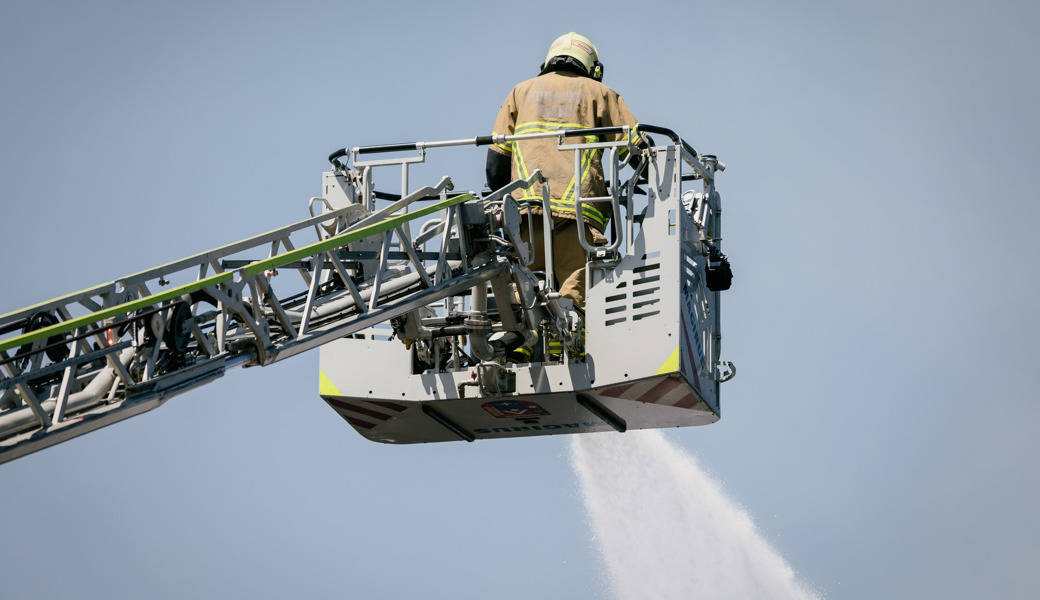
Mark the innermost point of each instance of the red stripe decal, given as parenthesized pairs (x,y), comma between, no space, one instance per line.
(616,391)
(337,403)
(358,422)
(659,390)
(688,401)
(390,405)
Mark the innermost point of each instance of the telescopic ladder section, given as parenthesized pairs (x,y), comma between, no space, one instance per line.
(83,361)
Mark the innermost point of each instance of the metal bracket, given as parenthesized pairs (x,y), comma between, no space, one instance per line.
(725,371)
(495,379)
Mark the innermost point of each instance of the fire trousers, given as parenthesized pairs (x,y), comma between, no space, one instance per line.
(568,255)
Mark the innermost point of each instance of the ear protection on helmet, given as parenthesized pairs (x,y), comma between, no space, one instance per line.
(597,67)
(574,52)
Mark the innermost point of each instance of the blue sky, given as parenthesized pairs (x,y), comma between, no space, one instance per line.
(879,212)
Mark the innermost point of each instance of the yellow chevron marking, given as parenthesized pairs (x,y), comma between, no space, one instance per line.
(325,385)
(671,365)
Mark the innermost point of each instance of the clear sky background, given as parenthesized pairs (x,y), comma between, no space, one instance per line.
(880,208)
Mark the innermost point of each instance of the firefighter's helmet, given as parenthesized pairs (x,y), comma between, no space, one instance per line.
(579,48)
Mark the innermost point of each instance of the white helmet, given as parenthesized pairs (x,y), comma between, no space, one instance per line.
(579,48)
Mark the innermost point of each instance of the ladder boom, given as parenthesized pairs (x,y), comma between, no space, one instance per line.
(120,349)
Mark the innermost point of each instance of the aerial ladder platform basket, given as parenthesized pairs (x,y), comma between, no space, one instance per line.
(416,301)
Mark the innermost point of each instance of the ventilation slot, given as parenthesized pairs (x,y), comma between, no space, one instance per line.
(647,291)
(616,305)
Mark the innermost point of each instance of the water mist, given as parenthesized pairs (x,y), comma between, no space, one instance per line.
(665,528)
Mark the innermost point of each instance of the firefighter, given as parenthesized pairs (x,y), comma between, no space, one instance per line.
(567,94)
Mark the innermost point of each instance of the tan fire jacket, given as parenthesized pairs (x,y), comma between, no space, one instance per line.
(551,102)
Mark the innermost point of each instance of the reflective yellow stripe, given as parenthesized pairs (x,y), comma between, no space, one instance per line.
(597,220)
(591,213)
(566,208)
(543,127)
(589,209)
(570,186)
(586,164)
(634,136)
(506,147)
(521,168)
(565,204)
